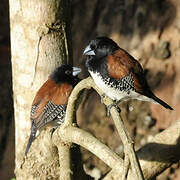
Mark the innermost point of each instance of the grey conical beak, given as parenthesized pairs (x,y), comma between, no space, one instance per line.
(88,51)
(76,71)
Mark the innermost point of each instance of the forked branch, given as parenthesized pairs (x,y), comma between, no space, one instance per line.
(151,162)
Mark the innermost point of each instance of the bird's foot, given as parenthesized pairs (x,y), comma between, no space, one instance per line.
(102,97)
(52,130)
(111,105)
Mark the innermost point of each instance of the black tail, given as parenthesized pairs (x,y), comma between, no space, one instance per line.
(161,102)
(31,139)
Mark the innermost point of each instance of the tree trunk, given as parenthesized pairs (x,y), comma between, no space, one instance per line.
(39,31)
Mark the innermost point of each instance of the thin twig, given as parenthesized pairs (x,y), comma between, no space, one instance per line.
(126,165)
(66,43)
(128,144)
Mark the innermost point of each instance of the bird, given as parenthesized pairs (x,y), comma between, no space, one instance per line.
(50,102)
(119,75)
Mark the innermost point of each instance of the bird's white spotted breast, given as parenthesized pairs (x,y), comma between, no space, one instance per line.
(116,94)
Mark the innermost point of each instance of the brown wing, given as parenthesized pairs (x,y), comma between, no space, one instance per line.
(121,64)
(50,91)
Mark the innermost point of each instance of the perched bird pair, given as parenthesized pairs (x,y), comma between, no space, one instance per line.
(114,71)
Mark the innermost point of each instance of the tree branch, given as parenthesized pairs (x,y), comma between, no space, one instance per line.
(65,161)
(127,142)
(158,155)
(88,141)
(152,161)
(124,135)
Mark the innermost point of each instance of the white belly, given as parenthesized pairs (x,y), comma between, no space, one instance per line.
(116,94)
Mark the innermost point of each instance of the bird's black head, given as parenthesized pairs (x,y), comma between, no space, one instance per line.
(100,47)
(66,73)
(97,51)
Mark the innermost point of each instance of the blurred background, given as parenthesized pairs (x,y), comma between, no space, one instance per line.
(150,31)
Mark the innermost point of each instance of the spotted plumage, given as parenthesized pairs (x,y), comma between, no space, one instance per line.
(51,112)
(117,73)
(50,102)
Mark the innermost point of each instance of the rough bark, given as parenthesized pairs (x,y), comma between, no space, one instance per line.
(39,31)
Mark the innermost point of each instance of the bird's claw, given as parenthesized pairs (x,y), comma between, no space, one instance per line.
(102,97)
(110,106)
(52,130)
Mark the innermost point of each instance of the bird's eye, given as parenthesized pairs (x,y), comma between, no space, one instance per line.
(93,47)
(68,72)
